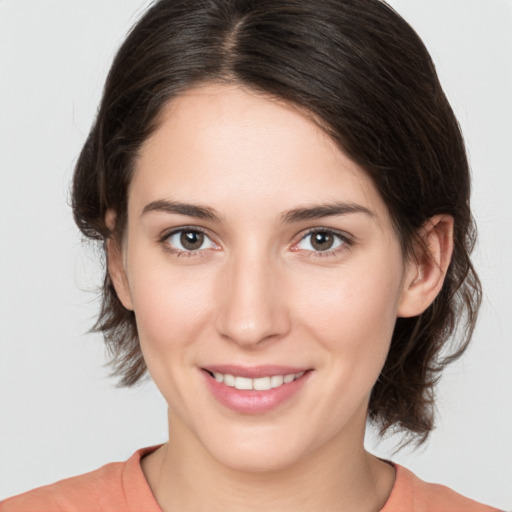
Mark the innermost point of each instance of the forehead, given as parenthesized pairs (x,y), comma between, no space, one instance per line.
(219,143)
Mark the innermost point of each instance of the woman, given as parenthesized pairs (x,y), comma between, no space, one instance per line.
(283,195)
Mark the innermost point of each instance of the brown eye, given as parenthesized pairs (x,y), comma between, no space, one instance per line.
(188,240)
(322,240)
(191,240)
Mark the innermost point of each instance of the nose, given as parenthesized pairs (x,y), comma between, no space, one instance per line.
(251,309)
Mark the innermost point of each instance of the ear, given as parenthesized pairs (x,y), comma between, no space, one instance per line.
(116,264)
(427,268)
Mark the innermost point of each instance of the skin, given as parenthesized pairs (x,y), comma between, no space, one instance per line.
(258,292)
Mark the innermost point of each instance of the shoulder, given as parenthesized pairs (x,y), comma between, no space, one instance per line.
(411,494)
(114,487)
(72,493)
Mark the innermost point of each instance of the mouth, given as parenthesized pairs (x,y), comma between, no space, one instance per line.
(264,383)
(255,390)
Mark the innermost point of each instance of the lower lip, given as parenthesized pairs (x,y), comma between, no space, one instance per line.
(254,402)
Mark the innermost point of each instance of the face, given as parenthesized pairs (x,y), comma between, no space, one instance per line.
(265,276)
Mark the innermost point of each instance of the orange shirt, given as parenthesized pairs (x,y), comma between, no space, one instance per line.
(122,487)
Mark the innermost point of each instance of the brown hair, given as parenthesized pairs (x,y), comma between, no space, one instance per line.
(359,69)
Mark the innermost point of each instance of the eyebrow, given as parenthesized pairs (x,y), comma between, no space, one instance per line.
(289,217)
(324,210)
(191,210)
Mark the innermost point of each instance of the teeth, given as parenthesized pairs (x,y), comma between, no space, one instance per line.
(260,384)
(229,380)
(289,378)
(276,381)
(243,383)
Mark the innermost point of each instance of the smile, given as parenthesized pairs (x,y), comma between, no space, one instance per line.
(256,390)
(259,384)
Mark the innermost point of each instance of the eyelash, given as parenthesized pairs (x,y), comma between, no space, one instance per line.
(345,242)
(180,252)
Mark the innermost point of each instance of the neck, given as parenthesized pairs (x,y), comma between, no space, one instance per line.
(340,476)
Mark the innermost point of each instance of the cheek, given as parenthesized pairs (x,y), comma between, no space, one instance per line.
(171,308)
(352,312)
(171,304)
(359,300)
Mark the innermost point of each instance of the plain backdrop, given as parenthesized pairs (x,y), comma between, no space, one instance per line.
(60,413)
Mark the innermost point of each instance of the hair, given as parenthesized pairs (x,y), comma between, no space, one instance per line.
(364,75)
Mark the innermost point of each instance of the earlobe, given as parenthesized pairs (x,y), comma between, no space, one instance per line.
(425,272)
(116,266)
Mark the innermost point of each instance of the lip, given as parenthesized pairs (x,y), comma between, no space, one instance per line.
(249,401)
(254,372)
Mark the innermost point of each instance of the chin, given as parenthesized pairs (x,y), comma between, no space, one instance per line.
(260,450)
(256,460)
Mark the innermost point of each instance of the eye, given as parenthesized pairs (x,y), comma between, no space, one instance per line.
(188,240)
(321,240)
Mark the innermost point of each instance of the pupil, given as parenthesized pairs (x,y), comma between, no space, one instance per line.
(191,240)
(322,241)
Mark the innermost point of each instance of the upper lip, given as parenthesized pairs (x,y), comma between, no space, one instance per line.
(254,372)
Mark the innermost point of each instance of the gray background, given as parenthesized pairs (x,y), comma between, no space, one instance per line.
(60,414)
